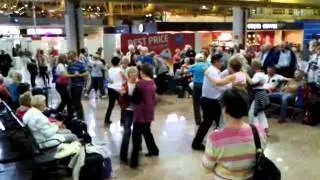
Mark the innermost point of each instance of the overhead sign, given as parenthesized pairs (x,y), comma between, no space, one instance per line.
(263,26)
(45,31)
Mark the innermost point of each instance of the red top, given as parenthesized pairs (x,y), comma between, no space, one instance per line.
(144,110)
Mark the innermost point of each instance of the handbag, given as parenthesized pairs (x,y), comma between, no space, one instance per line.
(61,80)
(264,169)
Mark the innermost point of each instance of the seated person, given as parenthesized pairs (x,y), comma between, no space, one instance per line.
(287,92)
(45,132)
(273,80)
(25,104)
(4,93)
(186,76)
(13,89)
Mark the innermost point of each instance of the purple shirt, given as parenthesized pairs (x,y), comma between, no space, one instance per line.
(144,110)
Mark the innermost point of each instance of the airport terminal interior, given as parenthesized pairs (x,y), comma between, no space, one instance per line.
(159,89)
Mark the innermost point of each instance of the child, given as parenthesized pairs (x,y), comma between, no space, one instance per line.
(144,99)
(261,99)
(127,108)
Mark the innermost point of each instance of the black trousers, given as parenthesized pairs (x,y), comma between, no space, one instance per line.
(97,83)
(113,97)
(33,79)
(65,100)
(211,112)
(43,70)
(196,98)
(76,94)
(140,129)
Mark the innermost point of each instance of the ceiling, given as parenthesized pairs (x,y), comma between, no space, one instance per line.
(242,3)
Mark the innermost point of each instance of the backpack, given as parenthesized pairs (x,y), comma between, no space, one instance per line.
(79,128)
(264,169)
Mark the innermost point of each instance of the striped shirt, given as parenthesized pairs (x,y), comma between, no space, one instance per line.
(230,153)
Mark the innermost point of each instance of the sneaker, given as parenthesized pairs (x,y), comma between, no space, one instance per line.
(103,97)
(86,95)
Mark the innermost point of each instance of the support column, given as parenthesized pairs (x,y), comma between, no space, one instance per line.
(110,16)
(73,26)
(239,25)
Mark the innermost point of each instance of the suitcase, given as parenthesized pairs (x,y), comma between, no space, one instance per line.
(93,167)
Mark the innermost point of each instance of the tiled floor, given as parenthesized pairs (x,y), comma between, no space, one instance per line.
(294,147)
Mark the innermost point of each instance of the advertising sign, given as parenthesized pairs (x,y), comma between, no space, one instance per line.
(164,44)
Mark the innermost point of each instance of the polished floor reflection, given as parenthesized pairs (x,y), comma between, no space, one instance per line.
(293,146)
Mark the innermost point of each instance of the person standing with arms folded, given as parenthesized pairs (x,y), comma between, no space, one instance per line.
(210,101)
(144,100)
(197,71)
(79,72)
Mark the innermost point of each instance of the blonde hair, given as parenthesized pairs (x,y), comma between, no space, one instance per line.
(125,59)
(16,77)
(132,71)
(25,99)
(38,101)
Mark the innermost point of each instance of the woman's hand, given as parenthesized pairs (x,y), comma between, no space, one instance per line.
(60,125)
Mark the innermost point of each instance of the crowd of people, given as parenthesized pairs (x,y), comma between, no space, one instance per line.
(225,87)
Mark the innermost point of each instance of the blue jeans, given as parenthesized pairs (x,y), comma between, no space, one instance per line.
(283,98)
(128,119)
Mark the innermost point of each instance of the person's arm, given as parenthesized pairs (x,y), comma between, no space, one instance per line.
(210,157)
(221,82)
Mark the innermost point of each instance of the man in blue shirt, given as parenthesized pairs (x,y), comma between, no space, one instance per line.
(79,72)
(145,57)
(197,71)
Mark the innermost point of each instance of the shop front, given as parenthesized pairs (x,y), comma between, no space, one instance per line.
(205,34)
(273,33)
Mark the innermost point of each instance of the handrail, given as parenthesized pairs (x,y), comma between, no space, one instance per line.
(12,113)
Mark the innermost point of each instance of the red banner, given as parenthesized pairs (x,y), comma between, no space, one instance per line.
(160,43)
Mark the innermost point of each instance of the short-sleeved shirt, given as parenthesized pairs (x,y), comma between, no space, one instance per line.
(79,67)
(197,71)
(145,59)
(208,89)
(259,78)
(274,81)
(96,68)
(60,69)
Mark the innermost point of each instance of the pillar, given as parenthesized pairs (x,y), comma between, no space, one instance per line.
(110,16)
(239,25)
(73,26)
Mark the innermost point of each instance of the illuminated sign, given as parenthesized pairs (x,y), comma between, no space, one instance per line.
(263,26)
(47,31)
(9,30)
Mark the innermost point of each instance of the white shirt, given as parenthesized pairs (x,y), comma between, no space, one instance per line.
(208,89)
(273,82)
(259,78)
(115,75)
(284,59)
(60,69)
